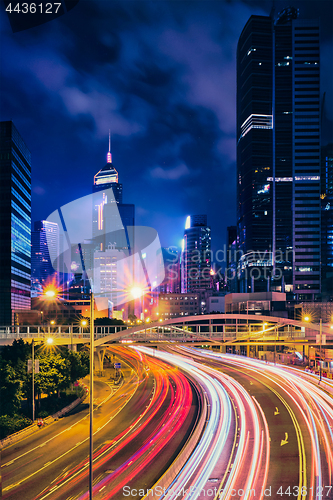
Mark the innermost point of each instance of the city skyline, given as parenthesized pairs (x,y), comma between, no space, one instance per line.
(173,123)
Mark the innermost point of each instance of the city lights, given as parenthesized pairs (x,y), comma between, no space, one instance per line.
(166,304)
(137,292)
(50,293)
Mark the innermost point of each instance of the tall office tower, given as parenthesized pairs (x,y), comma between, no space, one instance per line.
(171,261)
(15,228)
(107,226)
(196,255)
(327,221)
(231,260)
(278,155)
(44,251)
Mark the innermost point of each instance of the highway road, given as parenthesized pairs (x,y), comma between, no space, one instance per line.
(131,425)
(280,423)
(268,433)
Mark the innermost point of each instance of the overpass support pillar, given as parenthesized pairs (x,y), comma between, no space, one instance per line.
(99,358)
(248,350)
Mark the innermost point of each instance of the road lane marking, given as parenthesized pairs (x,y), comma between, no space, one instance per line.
(276,411)
(59,457)
(57,435)
(285,440)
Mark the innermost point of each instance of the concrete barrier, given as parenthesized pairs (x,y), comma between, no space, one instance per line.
(31,429)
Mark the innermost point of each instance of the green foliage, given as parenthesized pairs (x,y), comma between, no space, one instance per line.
(78,364)
(10,389)
(54,373)
(18,351)
(12,423)
(58,369)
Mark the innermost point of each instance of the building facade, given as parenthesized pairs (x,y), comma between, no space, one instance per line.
(113,220)
(196,255)
(278,155)
(171,260)
(44,252)
(15,227)
(176,305)
(327,221)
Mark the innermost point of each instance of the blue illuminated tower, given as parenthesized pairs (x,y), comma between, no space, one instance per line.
(15,228)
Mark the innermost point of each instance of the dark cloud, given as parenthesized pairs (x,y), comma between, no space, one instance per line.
(162,76)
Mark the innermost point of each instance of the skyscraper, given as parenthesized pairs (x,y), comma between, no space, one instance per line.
(106,222)
(278,155)
(231,260)
(171,260)
(196,255)
(327,221)
(15,228)
(44,251)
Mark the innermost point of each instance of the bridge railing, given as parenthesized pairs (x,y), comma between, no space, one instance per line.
(62,331)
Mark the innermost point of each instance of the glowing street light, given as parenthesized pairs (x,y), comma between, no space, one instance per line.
(49,340)
(307,318)
(50,293)
(137,292)
(84,322)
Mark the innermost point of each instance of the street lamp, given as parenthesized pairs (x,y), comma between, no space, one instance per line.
(91,394)
(136,292)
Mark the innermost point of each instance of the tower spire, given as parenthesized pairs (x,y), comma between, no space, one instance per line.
(109,155)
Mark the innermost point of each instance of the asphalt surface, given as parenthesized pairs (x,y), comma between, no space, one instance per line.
(300,437)
(53,463)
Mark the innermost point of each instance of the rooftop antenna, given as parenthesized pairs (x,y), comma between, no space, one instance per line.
(109,156)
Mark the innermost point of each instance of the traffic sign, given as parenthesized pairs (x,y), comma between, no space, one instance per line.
(117,365)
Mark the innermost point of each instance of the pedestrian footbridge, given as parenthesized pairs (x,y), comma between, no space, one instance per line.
(213,328)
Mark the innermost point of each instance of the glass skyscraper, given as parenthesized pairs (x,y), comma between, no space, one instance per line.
(44,251)
(327,220)
(196,255)
(106,221)
(15,227)
(278,155)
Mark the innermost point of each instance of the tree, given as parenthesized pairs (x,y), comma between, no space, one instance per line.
(78,364)
(54,373)
(10,389)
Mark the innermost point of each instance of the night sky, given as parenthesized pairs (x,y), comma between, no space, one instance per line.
(162,76)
